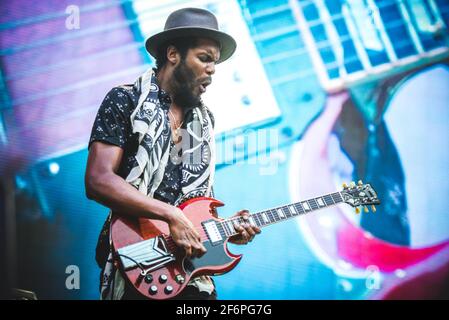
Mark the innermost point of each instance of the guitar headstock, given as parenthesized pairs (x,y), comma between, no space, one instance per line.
(360,195)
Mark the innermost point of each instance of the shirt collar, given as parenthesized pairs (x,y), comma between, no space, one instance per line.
(163,96)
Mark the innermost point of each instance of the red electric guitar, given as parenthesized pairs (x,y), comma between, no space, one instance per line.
(159,270)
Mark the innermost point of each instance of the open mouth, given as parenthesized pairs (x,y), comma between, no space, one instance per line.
(204,85)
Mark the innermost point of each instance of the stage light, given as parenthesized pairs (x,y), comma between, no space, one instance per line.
(400,273)
(53,168)
(21,183)
(345,285)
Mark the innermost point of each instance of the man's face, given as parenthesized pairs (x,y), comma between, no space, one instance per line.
(194,73)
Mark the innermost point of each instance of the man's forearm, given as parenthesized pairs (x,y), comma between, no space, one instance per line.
(115,193)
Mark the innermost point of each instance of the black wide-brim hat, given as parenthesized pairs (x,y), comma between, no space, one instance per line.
(189,22)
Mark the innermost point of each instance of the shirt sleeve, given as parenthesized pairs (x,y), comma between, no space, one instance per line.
(112,124)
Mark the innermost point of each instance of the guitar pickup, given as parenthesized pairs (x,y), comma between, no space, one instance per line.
(211,229)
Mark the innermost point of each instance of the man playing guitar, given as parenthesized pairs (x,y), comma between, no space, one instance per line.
(137,164)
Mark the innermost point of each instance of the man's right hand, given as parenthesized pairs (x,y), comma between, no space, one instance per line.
(184,234)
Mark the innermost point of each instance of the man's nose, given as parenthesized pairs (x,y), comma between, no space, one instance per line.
(210,69)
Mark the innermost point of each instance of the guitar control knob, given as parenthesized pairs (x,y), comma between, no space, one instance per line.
(163,278)
(152,290)
(168,289)
(148,278)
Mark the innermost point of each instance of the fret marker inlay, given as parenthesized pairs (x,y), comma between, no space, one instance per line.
(264,216)
(292,210)
(281,213)
(320,202)
(306,206)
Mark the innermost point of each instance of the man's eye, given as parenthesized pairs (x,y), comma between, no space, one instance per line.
(204,59)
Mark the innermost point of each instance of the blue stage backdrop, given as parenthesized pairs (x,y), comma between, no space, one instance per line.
(319,93)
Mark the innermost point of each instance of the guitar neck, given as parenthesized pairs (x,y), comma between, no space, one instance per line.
(278,214)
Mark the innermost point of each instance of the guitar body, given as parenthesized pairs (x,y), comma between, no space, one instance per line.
(164,270)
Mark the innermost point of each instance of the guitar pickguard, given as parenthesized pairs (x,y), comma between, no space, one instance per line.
(149,254)
(214,257)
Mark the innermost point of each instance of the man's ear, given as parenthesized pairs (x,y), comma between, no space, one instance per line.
(173,55)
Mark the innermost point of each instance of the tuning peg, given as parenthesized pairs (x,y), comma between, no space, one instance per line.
(366,209)
(360,183)
(352,184)
(345,186)
(373,208)
(357,210)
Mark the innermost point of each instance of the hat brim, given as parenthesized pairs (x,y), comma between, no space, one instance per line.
(227,43)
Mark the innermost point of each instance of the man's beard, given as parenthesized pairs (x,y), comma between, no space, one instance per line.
(183,86)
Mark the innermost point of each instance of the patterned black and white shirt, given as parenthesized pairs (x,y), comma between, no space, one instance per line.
(113,126)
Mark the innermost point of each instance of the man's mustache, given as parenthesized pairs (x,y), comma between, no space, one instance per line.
(206,81)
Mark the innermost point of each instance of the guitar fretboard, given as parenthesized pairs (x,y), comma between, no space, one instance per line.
(226,227)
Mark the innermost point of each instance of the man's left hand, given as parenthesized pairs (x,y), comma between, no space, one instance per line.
(246,231)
